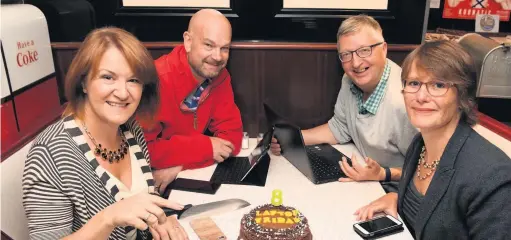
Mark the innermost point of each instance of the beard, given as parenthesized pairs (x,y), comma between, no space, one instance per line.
(200,70)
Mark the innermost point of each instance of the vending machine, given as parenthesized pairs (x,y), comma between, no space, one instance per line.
(29,102)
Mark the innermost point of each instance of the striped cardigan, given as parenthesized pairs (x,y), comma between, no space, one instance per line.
(63,184)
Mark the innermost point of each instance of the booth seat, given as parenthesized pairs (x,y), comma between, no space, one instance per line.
(496,139)
(14,222)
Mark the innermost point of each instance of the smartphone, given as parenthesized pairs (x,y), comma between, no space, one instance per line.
(192,185)
(378,227)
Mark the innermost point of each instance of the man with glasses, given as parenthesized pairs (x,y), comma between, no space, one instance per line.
(370,109)
(198,122)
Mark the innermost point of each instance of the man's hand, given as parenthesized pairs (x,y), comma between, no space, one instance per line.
(162,177)
(222,149)
(275,147)
(371,172)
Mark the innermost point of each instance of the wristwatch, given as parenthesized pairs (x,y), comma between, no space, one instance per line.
(387,174)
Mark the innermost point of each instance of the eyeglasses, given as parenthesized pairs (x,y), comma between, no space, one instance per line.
(362,52)
(434,88)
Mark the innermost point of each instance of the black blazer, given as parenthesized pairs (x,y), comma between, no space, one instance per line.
(470,194)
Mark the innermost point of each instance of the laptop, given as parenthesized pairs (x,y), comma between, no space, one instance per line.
(251,170)
(319,163)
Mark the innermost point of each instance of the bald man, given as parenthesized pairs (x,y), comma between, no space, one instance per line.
(198,122)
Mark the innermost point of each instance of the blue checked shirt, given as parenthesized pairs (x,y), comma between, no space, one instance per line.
(373,102)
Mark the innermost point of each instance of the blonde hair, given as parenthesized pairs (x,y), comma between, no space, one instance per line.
(86,62)
(356,23)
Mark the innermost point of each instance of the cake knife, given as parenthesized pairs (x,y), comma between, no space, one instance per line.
(207,209)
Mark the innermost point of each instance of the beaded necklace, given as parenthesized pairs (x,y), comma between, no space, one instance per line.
(422,161)
(111,156)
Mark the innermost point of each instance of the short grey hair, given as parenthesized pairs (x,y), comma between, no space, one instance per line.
(356,23)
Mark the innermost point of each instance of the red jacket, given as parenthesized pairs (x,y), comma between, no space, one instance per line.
(174,140)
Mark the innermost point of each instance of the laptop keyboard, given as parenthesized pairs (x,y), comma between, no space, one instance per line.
(323,169)
(231,170)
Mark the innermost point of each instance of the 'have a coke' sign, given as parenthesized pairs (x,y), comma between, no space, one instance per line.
(27,53)
(26,45)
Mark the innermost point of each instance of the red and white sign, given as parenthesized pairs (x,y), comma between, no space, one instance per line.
(468,9)
(26,44)
(27,53)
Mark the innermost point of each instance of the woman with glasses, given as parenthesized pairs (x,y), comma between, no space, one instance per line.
(455,184)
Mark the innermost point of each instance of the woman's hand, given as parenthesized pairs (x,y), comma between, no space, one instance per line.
(139,211)
(171,229)
(387,204)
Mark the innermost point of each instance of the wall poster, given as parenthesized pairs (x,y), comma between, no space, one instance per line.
(468,9)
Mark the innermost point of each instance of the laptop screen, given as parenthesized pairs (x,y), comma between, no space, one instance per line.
(261,149)
(255,155)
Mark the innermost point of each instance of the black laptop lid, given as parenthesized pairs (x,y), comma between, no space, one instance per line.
(290,140)
(293,148)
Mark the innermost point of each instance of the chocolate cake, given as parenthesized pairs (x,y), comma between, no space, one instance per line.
(271,222)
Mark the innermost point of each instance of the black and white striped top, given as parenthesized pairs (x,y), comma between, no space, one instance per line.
(63,184)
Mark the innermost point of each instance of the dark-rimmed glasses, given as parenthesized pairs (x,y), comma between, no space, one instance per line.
(362,52)
(434,88)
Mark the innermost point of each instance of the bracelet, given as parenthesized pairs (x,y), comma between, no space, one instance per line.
(387,174)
